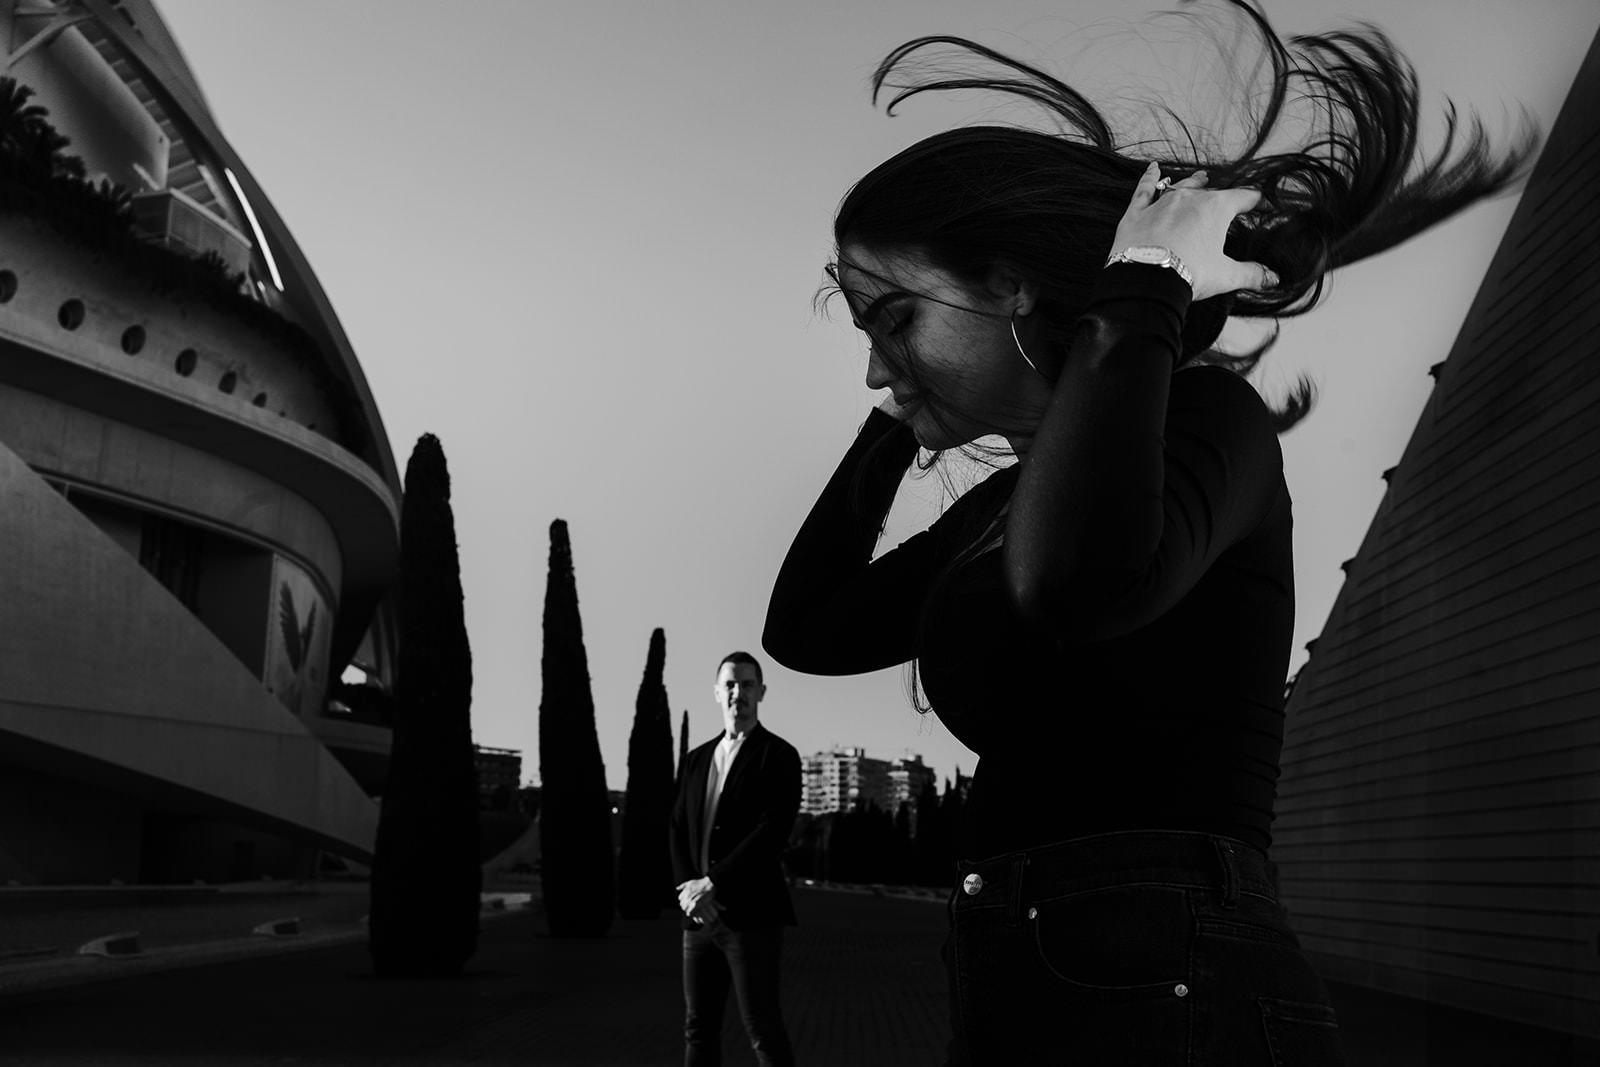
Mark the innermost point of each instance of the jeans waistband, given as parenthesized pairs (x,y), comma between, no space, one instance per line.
(1167,857)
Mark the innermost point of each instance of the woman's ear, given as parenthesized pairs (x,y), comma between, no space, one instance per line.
(1014,290)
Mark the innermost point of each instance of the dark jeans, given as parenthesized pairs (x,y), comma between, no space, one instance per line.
(748,961)
(1147,948)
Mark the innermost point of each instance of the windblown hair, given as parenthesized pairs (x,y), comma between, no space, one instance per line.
(1048,204)
(1352,184)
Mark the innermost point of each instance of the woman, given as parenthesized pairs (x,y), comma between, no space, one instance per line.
(1107,621)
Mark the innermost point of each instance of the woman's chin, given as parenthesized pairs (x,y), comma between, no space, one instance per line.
(933,437)
(929,434)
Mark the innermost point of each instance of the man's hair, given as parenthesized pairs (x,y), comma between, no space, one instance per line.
(742,657)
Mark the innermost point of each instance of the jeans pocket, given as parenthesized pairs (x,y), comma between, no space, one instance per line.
(1301,1034)
(1124,942)
(1245,932)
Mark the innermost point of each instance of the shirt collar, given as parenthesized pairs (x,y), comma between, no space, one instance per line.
(730,740)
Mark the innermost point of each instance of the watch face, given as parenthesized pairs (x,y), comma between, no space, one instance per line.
(1148,254)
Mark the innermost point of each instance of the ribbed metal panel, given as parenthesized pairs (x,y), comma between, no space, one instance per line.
(1438,828)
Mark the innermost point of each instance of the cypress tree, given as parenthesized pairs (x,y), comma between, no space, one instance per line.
(644,869)
(899,866)
(575,810)
(426,878)
(683,742)
(928,844)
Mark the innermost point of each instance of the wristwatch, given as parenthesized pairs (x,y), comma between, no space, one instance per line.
(1155,256)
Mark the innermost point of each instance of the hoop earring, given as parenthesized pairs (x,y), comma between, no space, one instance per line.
(1020,350)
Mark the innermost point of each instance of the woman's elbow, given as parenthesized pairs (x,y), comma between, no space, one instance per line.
(779,645)
(805,652)
(1070,611)
(1030,596)
(787,646)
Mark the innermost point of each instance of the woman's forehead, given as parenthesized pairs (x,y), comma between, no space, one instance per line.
(874,266)
(864,274)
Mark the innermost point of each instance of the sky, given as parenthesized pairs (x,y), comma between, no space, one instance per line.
(580,244)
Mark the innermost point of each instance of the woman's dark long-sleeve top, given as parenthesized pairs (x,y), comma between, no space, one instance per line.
(1118,661)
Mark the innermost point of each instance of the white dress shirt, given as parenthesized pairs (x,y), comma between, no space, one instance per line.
(722,758)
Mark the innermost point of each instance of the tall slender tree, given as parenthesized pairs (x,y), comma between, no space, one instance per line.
(644,868)
(933,859)
(683,742)
(577,865)
(426,878)
(899,865)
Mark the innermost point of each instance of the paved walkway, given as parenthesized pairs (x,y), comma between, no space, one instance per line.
(863,985)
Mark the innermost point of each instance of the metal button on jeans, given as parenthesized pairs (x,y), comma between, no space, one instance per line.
(972,884)
(1180,990)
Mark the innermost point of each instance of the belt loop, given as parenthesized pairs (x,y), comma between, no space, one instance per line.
(1019,864)
(1230,873)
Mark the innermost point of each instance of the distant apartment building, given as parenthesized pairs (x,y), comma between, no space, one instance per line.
(499,776)
(837,780)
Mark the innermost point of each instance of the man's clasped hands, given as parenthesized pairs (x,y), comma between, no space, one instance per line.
(697,898)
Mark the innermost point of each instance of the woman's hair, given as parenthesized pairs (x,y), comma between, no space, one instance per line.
(1351,184)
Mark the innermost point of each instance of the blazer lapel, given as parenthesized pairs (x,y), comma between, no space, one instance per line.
(699,768)
(749,756)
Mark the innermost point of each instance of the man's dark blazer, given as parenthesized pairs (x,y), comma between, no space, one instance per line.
(755,814)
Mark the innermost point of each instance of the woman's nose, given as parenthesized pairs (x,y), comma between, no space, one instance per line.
(878,373)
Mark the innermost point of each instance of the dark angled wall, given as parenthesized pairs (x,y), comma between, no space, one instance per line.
(1438,828)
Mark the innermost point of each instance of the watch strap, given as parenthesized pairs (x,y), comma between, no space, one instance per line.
(1171,262)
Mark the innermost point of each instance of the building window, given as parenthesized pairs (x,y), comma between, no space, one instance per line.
(172,553)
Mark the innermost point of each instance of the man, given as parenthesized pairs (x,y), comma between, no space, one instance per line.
(737,800)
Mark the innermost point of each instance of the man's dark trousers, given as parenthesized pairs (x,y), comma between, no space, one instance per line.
(748,961)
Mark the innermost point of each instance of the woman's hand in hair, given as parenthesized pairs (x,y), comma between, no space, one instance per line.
(1192,221)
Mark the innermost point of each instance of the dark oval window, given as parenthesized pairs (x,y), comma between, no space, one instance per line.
(133,340)
(71,315)
(260,400)
(186,361)
(8,286)
(229,382)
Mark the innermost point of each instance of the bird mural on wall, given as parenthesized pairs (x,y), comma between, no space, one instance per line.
(296,644)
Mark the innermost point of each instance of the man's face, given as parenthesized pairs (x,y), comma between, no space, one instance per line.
(738,695)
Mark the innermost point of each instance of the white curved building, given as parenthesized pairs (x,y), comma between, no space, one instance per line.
(198,505)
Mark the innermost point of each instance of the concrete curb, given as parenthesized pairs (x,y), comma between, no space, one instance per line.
(31,974)
(113,946)
(289,927)
(59,972)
